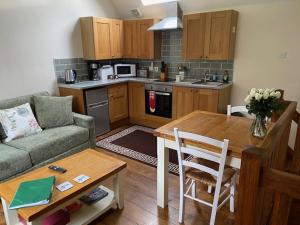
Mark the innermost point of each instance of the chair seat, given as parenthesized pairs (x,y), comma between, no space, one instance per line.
(207,178)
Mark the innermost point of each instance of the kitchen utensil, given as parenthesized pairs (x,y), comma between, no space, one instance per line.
(70,76)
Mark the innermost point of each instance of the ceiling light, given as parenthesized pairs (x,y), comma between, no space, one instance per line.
(152,2)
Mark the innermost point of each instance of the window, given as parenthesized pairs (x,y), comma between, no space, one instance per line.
(152,2)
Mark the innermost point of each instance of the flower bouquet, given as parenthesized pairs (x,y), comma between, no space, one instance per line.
(262,103)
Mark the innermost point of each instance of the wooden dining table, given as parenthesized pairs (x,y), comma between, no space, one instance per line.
(213,125)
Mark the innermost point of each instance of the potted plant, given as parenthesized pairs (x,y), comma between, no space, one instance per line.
(262,103)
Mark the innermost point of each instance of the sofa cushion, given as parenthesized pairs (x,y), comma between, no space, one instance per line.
(10,103)
(2,133)
(18,122)
(13,161)
(51,142)
(53,111)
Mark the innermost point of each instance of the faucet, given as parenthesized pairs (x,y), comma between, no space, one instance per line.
(205,77)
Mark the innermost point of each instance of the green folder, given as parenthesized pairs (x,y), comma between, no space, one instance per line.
(33,193)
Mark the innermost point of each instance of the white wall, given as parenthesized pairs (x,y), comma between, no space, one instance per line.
(33,32)
(265,33)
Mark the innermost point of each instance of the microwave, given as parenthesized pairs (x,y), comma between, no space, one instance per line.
(125,70)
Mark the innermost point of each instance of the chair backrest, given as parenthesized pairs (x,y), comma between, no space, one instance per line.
(219,158)
(234,109)
(265,189)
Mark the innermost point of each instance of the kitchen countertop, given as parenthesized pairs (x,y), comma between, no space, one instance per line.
(100,83)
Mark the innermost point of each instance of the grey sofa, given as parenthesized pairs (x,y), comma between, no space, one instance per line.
(24,154)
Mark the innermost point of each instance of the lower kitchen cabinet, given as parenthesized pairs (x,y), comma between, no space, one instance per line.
(183,101)
(136,100)
(187,100)
(118,102)
(206,100)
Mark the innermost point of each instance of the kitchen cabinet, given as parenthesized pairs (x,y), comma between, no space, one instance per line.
(139,42)
(117,38)
(136,100)
(194,36)
(210,35)
(183,101)
(102,38)
(130,39)
(187,100)
(220,34)
(118,102)
(206,100)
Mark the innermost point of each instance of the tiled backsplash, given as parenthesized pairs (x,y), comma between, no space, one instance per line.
(171,48)
(78,64)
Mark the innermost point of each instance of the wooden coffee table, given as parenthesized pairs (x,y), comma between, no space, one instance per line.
(98,166)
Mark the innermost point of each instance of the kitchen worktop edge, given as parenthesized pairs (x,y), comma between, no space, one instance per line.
(83,85)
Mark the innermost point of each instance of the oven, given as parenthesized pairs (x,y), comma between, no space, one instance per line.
(158,100)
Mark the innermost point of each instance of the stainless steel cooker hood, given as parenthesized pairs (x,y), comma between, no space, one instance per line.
(172,20)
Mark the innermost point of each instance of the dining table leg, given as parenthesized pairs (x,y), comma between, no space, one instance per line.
(162,172)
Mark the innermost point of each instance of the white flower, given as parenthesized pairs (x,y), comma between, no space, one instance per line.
(261,91)
(258,96)
(277,94)
(248,99)
(266,94)
(273,94)
(252,92)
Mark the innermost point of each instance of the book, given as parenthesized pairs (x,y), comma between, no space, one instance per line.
(33,193)
(94,196)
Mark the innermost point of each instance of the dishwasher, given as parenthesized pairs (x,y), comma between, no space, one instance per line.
(97,107)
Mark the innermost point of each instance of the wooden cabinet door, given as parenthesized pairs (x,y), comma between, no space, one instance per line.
(206,100)
(102,38)
(117,38)
(118,102)
(145,39)
(193,36)
(218,35)
(136,100)
(183,101)
(130,39)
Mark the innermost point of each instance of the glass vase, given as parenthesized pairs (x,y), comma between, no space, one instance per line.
(258,127)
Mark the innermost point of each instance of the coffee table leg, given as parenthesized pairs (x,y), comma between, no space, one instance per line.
(11,216)
(118,189)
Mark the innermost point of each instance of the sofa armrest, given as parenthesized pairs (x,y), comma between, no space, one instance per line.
(86,122)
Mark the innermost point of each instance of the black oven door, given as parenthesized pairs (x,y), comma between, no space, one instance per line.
(162,106)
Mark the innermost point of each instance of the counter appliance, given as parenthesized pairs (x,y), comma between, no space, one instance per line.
(125,70)
(70,76)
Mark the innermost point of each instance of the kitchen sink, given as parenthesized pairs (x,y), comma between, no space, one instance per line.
(209,83)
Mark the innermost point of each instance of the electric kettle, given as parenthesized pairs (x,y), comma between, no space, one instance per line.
(70,76)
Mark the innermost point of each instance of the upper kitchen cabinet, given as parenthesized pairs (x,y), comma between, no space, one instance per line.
(102,38)
(210,35)
(193,36)
(117,38)
(139,42)
(130,39)
(220,34)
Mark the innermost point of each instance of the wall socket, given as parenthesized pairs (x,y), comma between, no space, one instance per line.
(156,68)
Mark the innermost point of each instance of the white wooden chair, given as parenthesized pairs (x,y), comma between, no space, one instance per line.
(209,169)
(234,109)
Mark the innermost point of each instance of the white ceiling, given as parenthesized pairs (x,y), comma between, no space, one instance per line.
(188,6)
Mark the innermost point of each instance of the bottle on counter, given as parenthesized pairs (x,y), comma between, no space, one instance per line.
(225,76)
(163,72)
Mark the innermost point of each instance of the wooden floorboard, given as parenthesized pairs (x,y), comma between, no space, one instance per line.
(140,200)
